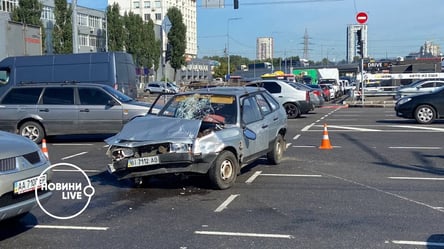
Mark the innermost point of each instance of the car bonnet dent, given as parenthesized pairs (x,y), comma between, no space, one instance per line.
(156,129)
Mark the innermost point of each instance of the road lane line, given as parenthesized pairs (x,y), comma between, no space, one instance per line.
(415,147)
(226,203)
(417,243)
(72,144)
(417,178)
(74,170)
(306,128)
(419,127)
(253,177)
(297,136)
(69,227)
(287,145)
(78,154)
(351,128)
(292,175)
(261,235)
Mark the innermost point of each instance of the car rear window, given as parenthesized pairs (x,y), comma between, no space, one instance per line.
(22,96)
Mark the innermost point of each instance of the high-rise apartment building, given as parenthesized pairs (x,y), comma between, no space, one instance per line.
(156,10)
(264,48)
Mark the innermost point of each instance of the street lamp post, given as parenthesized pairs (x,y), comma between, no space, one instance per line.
(228,44)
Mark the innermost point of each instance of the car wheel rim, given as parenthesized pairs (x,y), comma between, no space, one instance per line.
(425,114)
(30,132)
(226,170)
(291,110)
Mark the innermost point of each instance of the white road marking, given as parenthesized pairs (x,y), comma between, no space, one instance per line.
(78,154)
(417,243)
(262,235)
(72,144)
(297,136)
(253,177)
(306,128)
(226,203)
(287,145)
(291,175)
(419,127)
(74,170)
(416,178)
(69,227)
(351,128)
(415,147)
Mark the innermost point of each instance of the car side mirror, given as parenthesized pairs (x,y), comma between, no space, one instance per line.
(111,102)
(249,134)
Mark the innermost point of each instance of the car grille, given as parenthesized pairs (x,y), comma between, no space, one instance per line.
(7,164)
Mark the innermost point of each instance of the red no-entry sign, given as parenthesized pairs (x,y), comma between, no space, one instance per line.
(361,17)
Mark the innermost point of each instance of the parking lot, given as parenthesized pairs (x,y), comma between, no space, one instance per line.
(379,187)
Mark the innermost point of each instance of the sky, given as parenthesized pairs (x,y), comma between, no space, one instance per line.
(395,27)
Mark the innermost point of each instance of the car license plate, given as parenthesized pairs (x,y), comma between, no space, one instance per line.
(143,161)
(29,184)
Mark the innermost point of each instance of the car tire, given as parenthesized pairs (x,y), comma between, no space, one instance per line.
(425,114)
(223,172)
(275,155)
(292,110)
(33,131)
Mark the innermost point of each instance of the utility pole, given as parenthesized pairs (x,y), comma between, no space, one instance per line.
(75,34)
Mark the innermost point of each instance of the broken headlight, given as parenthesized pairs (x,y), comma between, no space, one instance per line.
(180,148)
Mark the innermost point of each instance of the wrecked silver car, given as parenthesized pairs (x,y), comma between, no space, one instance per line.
(213,131)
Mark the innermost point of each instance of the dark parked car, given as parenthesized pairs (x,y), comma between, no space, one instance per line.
(425,108)
(213,131)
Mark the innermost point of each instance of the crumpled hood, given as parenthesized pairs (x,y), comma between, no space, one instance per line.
(152,129)
(12,145)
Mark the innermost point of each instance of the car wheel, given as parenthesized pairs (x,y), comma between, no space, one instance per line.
(33,131)
(224,170)
(425,114)
(292,110)
(275,156)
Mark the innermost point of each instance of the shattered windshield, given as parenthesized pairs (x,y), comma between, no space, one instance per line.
(206,107)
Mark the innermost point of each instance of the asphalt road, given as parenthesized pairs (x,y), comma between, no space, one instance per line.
(379,187)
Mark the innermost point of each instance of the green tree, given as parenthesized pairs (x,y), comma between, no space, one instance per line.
(29,12)
(115,28)
(151,50)
(62,33)
(177,38)
(133,36)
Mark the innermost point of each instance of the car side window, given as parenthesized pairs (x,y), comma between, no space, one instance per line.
(273,103)
(22,96)
(429,84)
(58,96)
(272,87)
(93,96)
(263,105)
(250,110)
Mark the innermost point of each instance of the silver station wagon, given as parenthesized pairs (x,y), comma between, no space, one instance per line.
(213,131)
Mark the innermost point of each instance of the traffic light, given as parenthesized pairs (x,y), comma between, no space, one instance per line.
(168,52)
(360,44)
(236,4)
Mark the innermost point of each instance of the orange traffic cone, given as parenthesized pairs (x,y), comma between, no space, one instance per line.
(44,148)
(325,144)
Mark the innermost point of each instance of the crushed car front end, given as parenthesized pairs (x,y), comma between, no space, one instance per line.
(154,145)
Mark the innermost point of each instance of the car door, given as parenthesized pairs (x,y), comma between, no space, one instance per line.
(253,119)
(58,111)
(18,104)
(98,111)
